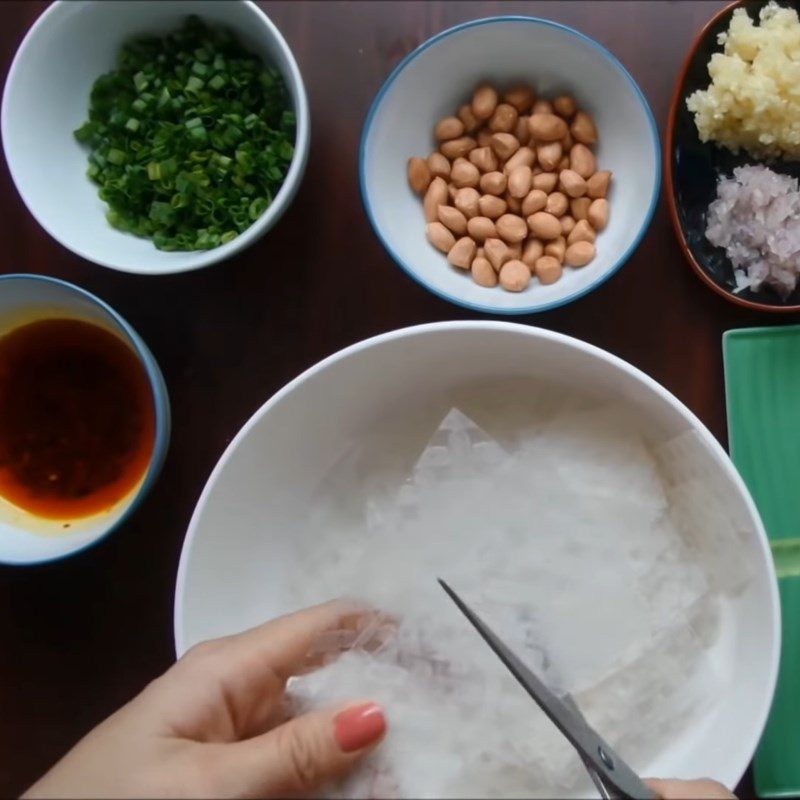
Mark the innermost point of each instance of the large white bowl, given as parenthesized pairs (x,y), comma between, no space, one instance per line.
(232,571)
(46,98)
(431,82)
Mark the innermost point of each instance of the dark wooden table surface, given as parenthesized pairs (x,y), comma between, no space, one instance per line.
(79,637)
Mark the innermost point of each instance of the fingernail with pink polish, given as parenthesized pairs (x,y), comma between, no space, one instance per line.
(358,727)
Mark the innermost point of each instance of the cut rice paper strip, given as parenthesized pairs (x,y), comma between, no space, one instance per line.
(582,546)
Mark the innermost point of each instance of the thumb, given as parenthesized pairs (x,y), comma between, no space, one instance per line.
(688,790)
(306,752)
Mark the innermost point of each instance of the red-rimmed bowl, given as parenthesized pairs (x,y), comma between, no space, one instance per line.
(692,169)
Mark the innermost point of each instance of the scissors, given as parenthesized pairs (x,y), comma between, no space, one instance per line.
(610,774)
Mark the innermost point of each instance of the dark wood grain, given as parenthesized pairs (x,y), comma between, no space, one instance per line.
(79,637)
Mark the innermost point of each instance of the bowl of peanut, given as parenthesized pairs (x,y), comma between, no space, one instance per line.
(510,165)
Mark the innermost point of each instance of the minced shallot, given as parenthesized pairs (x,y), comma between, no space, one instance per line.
(756,219)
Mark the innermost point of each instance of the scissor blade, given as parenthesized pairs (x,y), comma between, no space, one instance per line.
(589,744)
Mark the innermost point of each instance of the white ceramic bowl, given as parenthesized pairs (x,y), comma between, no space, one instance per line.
(431,82)
(232,573)
(24,537)
(47,96)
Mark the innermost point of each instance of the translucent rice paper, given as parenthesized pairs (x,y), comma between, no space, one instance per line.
(585,549)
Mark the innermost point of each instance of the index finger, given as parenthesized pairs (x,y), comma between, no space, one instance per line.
(286,644)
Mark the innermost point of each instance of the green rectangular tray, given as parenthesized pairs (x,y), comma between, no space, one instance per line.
(762,386)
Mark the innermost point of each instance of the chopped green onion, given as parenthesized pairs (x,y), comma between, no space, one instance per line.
(116,156)
(189,138)
(194,84)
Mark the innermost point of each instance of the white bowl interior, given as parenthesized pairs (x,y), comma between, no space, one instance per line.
(439,77)
(47,98)
(232,573)
(24,537)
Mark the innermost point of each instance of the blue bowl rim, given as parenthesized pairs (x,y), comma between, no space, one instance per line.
(160,403)
(615,62)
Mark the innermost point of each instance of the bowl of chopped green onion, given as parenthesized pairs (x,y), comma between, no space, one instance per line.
(155,136)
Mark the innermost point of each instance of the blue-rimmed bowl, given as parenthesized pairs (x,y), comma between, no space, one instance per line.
(437,77)
(24,537)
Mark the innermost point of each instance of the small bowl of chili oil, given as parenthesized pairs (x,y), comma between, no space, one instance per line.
(84,419)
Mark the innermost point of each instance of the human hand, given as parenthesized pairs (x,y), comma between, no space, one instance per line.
(215,724)
(688,790)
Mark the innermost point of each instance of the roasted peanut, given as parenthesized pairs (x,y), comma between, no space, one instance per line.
(519,182)
(557,204)
(484,137)
(514,204)
(524,157)
(547,127)
(556,248)
(462,253)
(544,226)
(484,102)
(579,254)
(514,275)
(484,159)
(598,214)
(564,105)
(583,129)
(513,187)
(571,183)
(497,252)
(439,236)
(436,196)
(534,201)
(522,131)
(504,119)
(491,206)
(481,229)
(457,148)
(511,228)
(483,272)
(521,97)
(468,118)
(464,173)
(504,144)
(547,270)
(580,207)
(419,174)
(438,165)
(548,155)
(582,232)
(546,182)
(533,250)
(597,185)
(493,183)
(466,201)
(453,220)
(448,128)
(582,160)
